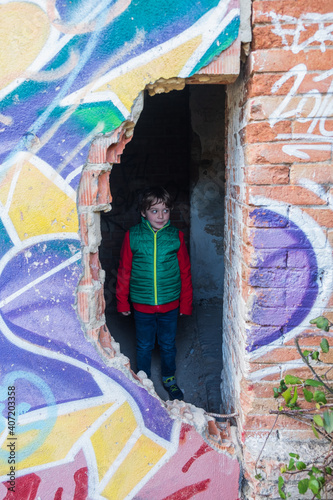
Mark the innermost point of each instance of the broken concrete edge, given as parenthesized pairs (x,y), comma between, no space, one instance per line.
(94,196)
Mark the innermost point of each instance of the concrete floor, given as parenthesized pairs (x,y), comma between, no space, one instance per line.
(199,354)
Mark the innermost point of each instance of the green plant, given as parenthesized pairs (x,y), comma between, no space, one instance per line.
(315,476)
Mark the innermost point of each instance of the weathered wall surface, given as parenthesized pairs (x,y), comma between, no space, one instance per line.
(279,220)
(207,191)
(84,426)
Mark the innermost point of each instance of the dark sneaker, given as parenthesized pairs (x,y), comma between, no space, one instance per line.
(172,389)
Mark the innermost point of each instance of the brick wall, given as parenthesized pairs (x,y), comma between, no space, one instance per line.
(278,223)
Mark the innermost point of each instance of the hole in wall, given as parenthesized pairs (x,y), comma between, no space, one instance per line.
(178,143)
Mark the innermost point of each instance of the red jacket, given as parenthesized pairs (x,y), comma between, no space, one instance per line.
(124,275)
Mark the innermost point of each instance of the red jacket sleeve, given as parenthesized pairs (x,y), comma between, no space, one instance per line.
(124,275)
(186,294)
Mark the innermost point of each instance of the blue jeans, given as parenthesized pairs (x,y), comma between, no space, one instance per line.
(147,326)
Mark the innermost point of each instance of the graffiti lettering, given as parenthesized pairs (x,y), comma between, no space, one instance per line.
(316,113)
(304,26)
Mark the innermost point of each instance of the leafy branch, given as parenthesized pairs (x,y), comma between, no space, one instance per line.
(319,417)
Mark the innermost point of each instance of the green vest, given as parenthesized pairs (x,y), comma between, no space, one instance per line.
(155,275)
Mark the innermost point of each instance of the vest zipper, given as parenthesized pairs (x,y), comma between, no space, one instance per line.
(155,259)
(155,270)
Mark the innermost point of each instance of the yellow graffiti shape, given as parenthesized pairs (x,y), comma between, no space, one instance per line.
(65,433)
(38,206)
(128,86)
(140,460)
(24,30)
(109,440)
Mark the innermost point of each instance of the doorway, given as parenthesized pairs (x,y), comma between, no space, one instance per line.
(178,143)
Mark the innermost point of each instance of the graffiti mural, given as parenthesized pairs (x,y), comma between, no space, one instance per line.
(72,425)
(293,256)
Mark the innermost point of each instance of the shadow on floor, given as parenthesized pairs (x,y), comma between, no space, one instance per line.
(199,354)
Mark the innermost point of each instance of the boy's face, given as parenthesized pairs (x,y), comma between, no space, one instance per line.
(158,215)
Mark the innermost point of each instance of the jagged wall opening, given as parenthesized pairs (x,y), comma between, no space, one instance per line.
(178,143)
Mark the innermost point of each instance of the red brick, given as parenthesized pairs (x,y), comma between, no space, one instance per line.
(260,406)
(98,150)
(329,316)
(280,354)
(265,38)
(100,303)
(105,338)
(311,340)
(94,188)
(294,195)
(87,277)
(97,153)
(324,217)
(327,357)
(261,84)
(276,154)
(273,377)
(93,335)
(263,132)
(88,188)
(330,237)
(94,265)
(262,422)
(278,174)
(261,9)
(104,194)
(301,371)
(83,222)
(114,151)
(319,173)
(261,108)
(303,128)
(83,306)
(275,60)
(262,390)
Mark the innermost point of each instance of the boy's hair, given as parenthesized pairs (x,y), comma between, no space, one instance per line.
(153,195)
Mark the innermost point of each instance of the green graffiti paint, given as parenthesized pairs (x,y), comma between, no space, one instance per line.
(222,42)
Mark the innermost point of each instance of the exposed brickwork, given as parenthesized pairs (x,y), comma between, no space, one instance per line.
(278,223)
(94,197)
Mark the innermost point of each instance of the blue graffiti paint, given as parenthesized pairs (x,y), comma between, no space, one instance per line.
(284,278)
(41,427)
(34,106)
(5,240)
(54,299)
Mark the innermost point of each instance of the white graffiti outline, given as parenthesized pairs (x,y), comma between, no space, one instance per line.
(107,386)
(202,26)
(324,257)
(46,275)
(71,176)
(322,35)
(322,107)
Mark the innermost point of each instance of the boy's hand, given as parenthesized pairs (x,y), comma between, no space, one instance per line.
(126,313)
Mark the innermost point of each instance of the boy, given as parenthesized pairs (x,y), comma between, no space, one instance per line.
(155,271)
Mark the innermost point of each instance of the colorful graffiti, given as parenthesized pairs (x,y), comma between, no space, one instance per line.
(293,256)
(70,71)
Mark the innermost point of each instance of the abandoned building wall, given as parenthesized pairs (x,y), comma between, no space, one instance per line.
(84,425)
(207,190)
(279,223)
